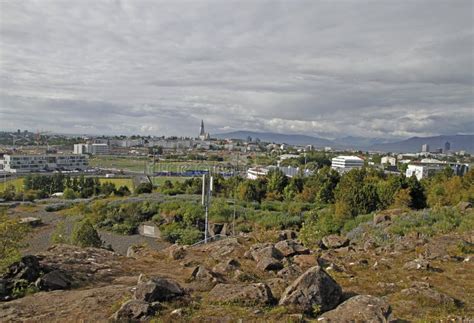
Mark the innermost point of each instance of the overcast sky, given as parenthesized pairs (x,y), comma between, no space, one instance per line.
(325,68)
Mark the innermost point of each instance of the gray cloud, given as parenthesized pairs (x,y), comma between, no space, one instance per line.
(371,68)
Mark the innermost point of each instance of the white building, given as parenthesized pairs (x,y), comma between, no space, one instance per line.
(41,163)
(389,161)
(346,163)
(93,149)
(419,171)
(256,172)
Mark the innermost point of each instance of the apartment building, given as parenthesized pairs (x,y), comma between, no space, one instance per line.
(42,163)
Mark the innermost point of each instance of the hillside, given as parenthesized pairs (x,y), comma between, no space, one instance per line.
(255,277)
(458,142)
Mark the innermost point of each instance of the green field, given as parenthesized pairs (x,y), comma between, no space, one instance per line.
(159,180)
(138,164)
(17,182)
(118,182)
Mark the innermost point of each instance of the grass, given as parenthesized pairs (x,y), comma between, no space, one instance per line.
(159,180)
(118,182)
(16,182)
(138,164)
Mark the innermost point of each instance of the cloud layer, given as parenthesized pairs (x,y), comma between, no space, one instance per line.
(360,68)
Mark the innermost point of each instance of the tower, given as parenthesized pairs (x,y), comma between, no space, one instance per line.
(202,132)
(447,147)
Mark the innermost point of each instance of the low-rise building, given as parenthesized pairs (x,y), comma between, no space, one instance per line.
(41,163)
(93,149)
(389,161)
(346,163)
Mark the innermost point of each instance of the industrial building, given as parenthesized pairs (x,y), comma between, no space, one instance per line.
(346,163)
(43,163)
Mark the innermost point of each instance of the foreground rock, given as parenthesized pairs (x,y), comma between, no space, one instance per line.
(157,290)
(313,288)
(251,294)
(335,241)
(133,310)
(430,295)
(54,280)
(417,264)
(361,308)
(290,248)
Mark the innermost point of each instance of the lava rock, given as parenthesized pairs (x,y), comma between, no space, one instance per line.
(314,287)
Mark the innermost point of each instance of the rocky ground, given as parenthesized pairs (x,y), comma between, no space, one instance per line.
(416,279)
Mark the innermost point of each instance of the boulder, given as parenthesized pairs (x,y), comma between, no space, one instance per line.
(133,310)
(53,280)
(417,264)
(215,228)
(360,308)
(314,287)
(286,235)
(28,268)
(290,248)
(269,264)
(176,252)
(430,295)
(243,294)
(157,290)
(335,241)
(265,251)
(464,206)
(289,273)
(226,267)
(277,286)
(202,274)
(305,261)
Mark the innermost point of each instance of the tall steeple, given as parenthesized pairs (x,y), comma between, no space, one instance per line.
(202,132)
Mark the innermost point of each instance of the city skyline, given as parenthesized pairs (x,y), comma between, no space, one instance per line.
(378,69)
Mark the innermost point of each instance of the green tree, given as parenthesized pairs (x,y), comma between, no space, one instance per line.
(84,235)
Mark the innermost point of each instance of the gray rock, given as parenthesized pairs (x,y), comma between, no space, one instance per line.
(28,268)
(133,310)
(277,286)
(464,206)
(53,280)
(286,235)
(201,273)
(333,241)
(265,251)
(269,264)
(176,252)
(429,294)
(290,272)
(314,287)
(158,289)
(227,266)
(243,294)
(417,264)
(360,308)
(290,248)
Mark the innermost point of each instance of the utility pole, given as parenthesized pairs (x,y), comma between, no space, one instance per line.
(206,201)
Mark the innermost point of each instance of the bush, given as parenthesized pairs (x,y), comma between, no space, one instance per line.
(69,194)
(59,234)
(189,236)
(144,188)
(84,235)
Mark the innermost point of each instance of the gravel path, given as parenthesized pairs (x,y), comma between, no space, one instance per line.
(40,238)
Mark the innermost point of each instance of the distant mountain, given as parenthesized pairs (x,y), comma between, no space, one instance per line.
(276,137)
(458,142)
(351,142)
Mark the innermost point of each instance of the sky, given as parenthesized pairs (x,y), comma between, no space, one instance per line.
(376,69)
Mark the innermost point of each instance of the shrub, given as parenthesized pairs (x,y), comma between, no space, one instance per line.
(189,236)
(84,235)
(69,194)
(59,234)
(144,188)
(11,237)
